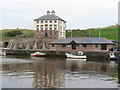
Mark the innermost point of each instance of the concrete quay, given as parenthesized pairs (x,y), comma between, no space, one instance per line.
(51,53)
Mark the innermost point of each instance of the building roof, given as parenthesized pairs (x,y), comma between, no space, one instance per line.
(49,17)
(82,41)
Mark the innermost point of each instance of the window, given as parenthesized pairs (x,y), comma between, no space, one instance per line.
(37,29)
(41,27)
(46,27)
(84,45)
(37,21)
(50,27)
(37,26)
(41,21)
(63,45)
(52,45)
(50,21)
(55,27)
(46,21)
(96,45)
(55,21)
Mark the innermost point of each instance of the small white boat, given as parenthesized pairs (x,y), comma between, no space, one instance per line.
(38,54)
(77,59)
(112,57)
(79,56)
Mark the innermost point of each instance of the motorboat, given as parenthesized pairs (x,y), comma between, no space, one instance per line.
(112,57)
(79,56)
(38,54)
(77,59)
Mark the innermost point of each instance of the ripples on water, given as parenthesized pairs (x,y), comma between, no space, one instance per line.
(35,72)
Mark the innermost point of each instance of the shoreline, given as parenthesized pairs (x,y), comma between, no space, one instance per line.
(56,53)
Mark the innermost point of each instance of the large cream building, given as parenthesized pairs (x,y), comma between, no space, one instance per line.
(50,26)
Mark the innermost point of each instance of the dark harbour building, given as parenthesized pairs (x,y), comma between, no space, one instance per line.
(83,44)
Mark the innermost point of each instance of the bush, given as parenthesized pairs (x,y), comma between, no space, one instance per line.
(13,33)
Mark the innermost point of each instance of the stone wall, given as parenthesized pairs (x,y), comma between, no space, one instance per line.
(26,43)
(47,34)
(90,47)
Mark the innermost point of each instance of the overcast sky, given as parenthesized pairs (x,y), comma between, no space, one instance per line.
(79,14)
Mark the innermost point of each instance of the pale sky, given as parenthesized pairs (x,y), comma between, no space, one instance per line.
(79,14)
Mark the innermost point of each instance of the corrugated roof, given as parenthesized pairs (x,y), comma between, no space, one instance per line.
(82,41)
(49,17)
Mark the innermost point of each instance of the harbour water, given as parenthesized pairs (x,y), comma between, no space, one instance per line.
(37,72)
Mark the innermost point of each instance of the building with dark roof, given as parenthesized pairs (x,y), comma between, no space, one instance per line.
(83,44)
(50,26)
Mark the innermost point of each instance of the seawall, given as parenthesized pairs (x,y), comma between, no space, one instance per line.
(51,53)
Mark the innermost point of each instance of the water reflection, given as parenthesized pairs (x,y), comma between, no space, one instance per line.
(48,74)
(54,72)
(74,64)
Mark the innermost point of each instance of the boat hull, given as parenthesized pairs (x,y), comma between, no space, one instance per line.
(75,56)
(38,55)
(113,59)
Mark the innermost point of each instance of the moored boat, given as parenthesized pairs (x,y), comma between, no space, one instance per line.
(38,54)
(112,57)
(79,56)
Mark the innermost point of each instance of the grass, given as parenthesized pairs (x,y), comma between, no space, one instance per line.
(25,33)
(107,32)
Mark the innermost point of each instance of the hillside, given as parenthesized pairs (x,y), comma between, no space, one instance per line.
(107,32)
(13,33)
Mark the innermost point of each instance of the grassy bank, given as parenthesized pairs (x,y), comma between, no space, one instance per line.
(24,33)
(107,32)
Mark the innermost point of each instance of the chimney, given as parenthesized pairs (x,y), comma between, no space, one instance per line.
(53,12)
(48,12)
